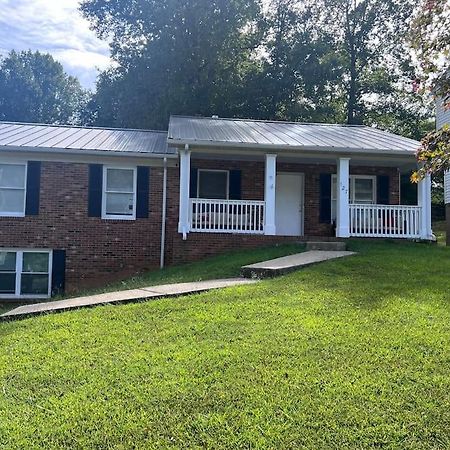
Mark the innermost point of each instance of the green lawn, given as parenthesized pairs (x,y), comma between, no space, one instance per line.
(227,265)
(349,354)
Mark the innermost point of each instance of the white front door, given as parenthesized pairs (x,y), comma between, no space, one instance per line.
(289,204)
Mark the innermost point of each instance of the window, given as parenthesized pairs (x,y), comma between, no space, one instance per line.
(362,191)
(119,193)
(13,178)
(213,184)
(25,273)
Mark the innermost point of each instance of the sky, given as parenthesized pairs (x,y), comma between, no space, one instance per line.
(55,27)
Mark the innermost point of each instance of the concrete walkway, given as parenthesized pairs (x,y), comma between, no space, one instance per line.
(152,292)
(286,264)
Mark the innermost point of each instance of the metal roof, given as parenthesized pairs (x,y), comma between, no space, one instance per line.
(71,138)
(285,135)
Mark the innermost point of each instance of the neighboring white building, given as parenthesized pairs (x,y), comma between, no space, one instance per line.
(443,118)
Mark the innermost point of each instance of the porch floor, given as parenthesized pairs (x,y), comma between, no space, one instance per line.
(286,264)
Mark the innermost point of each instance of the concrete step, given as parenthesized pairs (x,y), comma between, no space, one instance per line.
(327,246)
(286,264)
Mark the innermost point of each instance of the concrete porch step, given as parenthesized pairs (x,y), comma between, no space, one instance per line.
(326,246)
(286,264)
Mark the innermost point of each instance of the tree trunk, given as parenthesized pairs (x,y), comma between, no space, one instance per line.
(352,94)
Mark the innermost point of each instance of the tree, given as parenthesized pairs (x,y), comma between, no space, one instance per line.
(370,36)
(430,36)
(35,88)
(299,71)
(188,57)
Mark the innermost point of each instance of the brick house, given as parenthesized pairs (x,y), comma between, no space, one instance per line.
(83,206)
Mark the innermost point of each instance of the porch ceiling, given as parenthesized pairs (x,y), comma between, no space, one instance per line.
(286,136)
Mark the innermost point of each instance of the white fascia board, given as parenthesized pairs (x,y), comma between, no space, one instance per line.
(85,156)
(270,148)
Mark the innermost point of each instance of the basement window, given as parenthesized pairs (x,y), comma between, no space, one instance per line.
(25,273)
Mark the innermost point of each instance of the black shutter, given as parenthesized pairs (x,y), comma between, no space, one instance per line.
(95,190)
(58,272)
(325,198)
(193,183)
(143,190)
(33,188)
(235,185)
(383,189)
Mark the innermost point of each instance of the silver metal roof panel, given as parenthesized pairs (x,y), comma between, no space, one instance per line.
(71,138)
(285,135)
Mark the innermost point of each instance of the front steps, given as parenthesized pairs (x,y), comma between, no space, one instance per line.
(286,264)
(333,246)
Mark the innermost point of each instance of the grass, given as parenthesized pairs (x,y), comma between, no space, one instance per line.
(439,229)
(351,353)
(227,265)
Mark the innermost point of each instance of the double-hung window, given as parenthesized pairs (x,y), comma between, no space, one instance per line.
(119,193)
(213,184)
(25,273)
(13,179)
(363,190)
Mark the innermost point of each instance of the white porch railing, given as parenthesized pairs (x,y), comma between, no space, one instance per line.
(385,221)
(226,216)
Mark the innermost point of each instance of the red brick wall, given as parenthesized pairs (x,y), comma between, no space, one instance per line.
(96,250)
(105,250)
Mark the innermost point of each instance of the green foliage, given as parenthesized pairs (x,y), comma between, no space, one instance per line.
(430,36)
(187,57)
(347,354)
(35,88)
(320,61)
(434,154)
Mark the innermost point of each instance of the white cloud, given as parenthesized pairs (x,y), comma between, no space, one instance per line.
(56,27)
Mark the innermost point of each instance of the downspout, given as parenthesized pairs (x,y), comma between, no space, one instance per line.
(164,216)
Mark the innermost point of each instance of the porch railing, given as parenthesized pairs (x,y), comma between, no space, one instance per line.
(385,221)
(227,216)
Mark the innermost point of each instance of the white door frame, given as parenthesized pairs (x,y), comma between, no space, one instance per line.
(302,198)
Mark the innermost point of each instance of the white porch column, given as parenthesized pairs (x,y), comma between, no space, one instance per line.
(185,172)
(342,207)
(269,195)
(424,200)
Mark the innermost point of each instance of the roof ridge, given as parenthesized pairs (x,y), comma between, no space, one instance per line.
(81,127)
(231,119)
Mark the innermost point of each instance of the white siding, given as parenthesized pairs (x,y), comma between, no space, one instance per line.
(447,188)
(442,116)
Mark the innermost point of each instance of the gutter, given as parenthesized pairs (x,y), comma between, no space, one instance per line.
(164,217)
(288,148)
(63,151)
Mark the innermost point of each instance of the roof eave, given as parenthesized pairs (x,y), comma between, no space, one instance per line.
(67,151)
(179,143)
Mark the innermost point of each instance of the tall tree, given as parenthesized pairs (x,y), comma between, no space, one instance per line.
(186,56)
(370,35)
(430,36)
(35,88)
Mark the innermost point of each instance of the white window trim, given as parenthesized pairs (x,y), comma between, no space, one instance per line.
(352,190)
(216,171)
(17,214)
(19,266)
(104,192)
